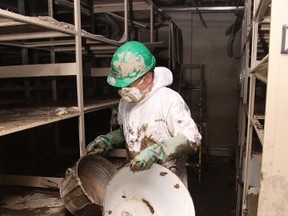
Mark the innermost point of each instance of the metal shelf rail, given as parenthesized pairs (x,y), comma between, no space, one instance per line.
(192,87)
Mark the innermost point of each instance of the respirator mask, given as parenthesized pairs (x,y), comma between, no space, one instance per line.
(133,94)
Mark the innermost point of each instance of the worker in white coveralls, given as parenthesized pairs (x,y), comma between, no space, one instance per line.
(155,122)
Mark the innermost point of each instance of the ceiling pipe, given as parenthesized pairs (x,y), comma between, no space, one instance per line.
(226,9)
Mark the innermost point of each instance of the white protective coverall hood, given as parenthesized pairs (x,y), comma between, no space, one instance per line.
(162,114)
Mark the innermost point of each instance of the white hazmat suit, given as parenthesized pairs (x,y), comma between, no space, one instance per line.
(162,114)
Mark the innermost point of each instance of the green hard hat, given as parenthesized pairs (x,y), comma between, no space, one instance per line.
(130,61)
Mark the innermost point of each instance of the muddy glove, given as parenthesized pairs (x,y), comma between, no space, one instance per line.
(106,142)
(167,150)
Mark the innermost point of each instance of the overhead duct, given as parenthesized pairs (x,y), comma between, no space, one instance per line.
(202,9)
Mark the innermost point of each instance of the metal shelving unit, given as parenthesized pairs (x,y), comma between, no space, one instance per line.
(17,28)
(44,33)
(262,135)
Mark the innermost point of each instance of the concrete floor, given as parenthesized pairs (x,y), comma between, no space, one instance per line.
(213,195)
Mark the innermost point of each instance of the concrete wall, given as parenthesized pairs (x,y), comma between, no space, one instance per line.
(208,46)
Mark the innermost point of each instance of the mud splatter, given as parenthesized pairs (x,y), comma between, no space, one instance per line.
(130,130)
(125,213)
(177,186)
(147,141)
(149,206)
(163,173)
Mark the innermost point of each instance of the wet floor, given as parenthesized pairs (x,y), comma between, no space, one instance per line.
(215,194)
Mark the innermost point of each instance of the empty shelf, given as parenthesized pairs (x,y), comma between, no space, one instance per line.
(91,106)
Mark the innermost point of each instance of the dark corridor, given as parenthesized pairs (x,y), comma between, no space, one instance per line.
(215,194)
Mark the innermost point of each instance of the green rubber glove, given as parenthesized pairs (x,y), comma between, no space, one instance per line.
(167,150)
(106,142)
